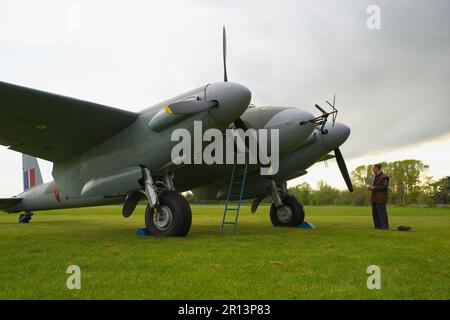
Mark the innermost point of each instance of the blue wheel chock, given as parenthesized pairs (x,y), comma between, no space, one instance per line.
(307,225)
(142,232)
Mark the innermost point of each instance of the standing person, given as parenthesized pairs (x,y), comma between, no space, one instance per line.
(379,198)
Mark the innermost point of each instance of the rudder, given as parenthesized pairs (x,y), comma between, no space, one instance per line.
(31,172)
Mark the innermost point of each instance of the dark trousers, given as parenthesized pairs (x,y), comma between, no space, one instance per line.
(380,216)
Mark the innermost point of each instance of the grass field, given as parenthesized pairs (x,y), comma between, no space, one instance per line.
(260,262)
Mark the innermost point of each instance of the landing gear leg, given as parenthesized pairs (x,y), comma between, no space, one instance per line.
(168,213)
(149,188)
(276,196)
(25,217)
(285,211)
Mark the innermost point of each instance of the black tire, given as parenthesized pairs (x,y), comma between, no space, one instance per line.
(24,218)
(292,220)
(175,215)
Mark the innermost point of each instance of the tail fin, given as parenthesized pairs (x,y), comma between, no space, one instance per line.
(31,172)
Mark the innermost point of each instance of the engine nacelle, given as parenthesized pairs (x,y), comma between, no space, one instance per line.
(286,120)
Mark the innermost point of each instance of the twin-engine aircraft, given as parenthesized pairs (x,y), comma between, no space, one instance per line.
(102,155)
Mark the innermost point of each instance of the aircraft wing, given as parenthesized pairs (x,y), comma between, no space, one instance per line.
(54,127)
(8,202)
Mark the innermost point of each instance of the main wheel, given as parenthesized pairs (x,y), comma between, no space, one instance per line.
(173,219)
(290,214)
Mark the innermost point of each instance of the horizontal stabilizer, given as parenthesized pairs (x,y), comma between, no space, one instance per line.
(8,202)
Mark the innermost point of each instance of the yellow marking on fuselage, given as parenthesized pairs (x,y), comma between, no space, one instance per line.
(168,110)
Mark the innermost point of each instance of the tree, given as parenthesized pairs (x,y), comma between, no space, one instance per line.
(360,196)
(362,176)
(326,194)
(302,192)
(442,190)
(404,176)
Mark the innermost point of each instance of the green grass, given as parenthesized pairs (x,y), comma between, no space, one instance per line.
(260,262)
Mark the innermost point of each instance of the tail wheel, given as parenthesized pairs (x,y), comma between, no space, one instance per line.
(173,219)
(25,217)
(290,214)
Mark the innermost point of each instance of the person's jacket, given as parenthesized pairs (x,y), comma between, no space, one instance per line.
(380,188)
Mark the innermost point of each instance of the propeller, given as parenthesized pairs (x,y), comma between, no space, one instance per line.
(239,123)
(225,76)
(321,120)
(190,106)
(334,113)
(342,166)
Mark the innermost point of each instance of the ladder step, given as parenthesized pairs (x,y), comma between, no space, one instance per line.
(226,222)
(231,209)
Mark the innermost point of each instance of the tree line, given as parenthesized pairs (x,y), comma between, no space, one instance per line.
(408,185)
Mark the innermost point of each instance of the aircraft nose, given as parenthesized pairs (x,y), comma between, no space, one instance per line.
(336,135)
(233,99)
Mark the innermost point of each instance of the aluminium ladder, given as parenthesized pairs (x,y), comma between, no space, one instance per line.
(237,181)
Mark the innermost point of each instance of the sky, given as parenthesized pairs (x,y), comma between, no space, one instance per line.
(392,83)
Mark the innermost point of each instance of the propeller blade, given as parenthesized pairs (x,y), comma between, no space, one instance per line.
(334,103)
(190,106)
(225,77)
(334,109)
(342,166)
(240,124)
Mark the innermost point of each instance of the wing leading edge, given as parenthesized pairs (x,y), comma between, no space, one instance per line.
(53,127)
